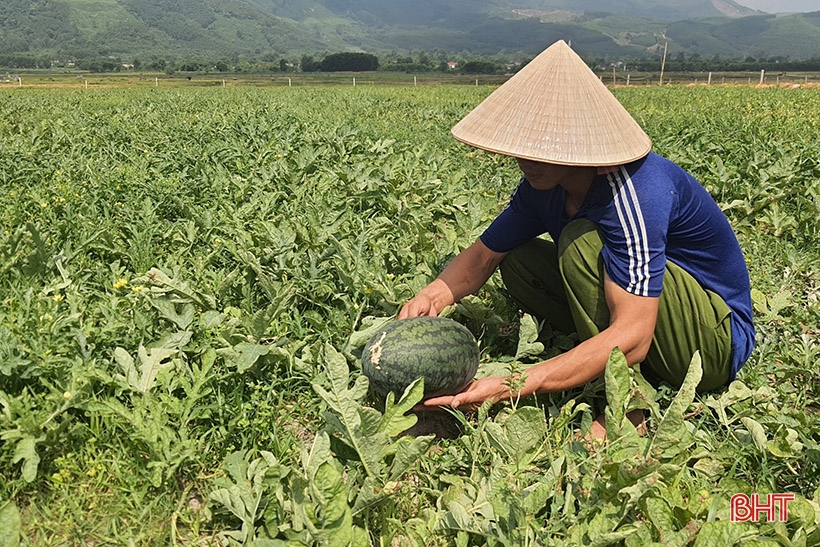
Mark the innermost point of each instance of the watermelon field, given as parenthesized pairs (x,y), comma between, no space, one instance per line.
(188,277)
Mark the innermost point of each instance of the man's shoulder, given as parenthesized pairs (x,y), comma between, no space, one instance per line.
(655,165)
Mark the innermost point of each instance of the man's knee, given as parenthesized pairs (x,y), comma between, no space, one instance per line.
(524,261)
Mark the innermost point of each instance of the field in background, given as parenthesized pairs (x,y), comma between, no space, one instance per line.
(81,80)
(187,276)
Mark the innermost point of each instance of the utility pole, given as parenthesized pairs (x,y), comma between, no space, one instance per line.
(663,61)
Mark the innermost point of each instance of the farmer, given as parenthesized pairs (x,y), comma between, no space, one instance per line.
(641,256)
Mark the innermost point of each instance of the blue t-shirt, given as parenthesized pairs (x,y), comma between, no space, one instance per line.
(648,212)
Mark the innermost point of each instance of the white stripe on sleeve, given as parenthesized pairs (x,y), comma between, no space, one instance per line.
(632,223)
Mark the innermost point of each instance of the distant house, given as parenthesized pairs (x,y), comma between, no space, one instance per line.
(452,65)
(513,65)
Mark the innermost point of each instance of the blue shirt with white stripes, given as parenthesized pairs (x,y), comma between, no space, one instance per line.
(648,212)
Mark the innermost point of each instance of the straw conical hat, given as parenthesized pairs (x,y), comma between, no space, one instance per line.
(555,110)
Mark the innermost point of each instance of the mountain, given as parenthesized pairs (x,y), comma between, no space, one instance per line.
(461,13)
(260,29)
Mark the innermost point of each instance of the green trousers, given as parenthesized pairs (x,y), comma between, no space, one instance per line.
(564,285)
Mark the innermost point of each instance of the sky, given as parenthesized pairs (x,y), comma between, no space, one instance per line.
(781,6)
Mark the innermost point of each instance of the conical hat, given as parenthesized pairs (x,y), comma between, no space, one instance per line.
(555,110)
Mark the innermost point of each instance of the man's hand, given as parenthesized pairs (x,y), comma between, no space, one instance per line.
(464,275)
(420,305)
(493,388)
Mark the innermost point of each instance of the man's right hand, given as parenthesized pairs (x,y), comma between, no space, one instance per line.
(429,301)
(418,306)
(467,272)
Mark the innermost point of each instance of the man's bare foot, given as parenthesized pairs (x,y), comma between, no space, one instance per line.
(598,428)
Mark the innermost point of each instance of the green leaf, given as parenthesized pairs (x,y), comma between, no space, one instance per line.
(737,392)
(152,363)
(161,283)
(660,515)
(211,319)
(636,491)
(786,444)
(168,310)
(249,354)
(394,420)
(757,432)
(524,431)
(672,436)
(26,450)
(528,346)
(780,301)
(724,533)
(710,467)
(336,521)
(644,395)
(760,301)
(408,451)
(319,453)
(174,340)
(618,384)
(370,326)
(345,403)
(536,497)
(360,538)
(10,525)
(613,538)
(370,420)
(457,518)
(244,497)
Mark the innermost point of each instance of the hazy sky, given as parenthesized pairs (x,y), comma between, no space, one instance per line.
(778,6)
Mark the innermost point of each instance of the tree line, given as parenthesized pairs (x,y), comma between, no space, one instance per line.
(463,63)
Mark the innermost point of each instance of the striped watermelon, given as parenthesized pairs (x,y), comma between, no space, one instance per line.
(441,350)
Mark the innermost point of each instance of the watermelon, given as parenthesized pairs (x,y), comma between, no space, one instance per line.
(442,351)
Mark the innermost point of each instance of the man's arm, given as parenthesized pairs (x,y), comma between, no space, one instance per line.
(632,324)
(467,273)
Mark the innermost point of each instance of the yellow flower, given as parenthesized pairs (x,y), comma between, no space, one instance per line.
(58,297)
(121,282)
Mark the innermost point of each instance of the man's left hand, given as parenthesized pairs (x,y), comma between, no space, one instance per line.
(493,388)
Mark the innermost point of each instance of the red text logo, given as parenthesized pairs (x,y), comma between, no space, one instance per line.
(774,507)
